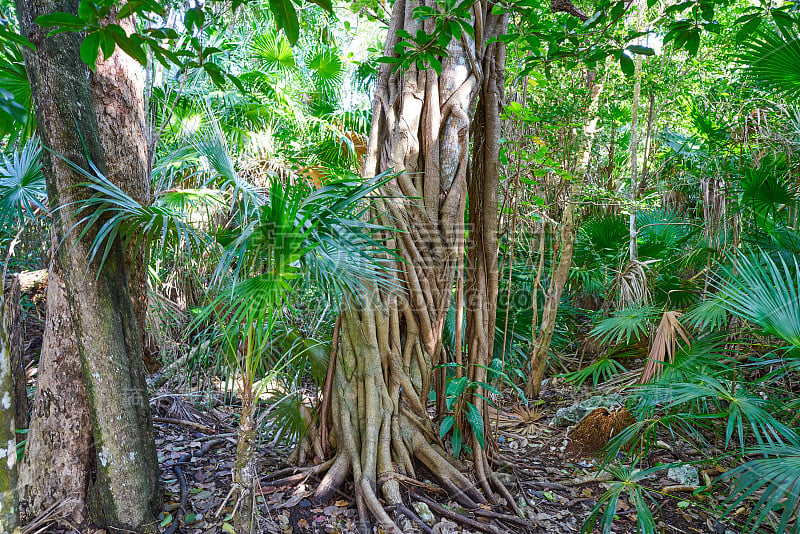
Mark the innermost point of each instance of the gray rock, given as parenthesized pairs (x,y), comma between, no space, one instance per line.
(685,475)
(570,415)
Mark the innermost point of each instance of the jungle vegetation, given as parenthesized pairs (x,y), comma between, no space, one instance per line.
(370,227)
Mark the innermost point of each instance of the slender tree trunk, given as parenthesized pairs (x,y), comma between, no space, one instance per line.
(244,472)
(391,342)
(123,490)
(9,509)
(562,259)
(59,453)
(633,250)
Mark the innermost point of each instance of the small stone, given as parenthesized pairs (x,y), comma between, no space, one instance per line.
(684,474)
(424,512)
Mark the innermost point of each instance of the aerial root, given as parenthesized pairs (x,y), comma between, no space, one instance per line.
(348,460)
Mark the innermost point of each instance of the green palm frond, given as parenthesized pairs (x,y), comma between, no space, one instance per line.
(627,481)
(777,479)
(17,120)
(764,192)
(661,234)
(213,148)
(703,396)
(705,355)
(767,293)
(189,199)
(600,370)
(22,184)
(273,51)
(626,324)
(285,413)
(708,315)
(350,259)
(111,214)
(773,59)
(327,70)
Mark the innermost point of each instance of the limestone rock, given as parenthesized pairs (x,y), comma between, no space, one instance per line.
(570,415)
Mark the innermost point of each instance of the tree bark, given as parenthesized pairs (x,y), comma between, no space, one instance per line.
(482,246)
(633,249)
(59,451)
(13,318)
(391,342)
(117,86)
(123,491)
(9,509)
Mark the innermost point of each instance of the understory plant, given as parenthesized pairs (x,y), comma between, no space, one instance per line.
(706,388)
(275,239)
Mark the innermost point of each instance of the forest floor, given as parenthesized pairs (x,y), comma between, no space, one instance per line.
(555,489)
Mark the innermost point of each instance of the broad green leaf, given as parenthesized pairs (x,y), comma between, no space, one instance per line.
(626,65)
(286,18)
(90,48)
(475,422)
(642,50)
(457,442)
(66,20)
(446,425)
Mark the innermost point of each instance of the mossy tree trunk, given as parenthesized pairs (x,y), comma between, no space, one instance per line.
(123,490)
(392,342)
(117,86)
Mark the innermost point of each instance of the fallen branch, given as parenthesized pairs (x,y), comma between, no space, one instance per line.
(188,424)
(158,381)
(599,477)
(503,517)
(412,516)
(546,485)
(677,488)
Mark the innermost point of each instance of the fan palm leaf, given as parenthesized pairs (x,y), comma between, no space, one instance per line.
(22,184)
(773,59)
(767,293)
(777,479)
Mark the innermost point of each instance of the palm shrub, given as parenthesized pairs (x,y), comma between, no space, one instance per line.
(771,57)
(766,292)
(22,195)
(705,388)
(279,237)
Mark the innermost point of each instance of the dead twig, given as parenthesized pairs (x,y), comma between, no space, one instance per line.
(188,424)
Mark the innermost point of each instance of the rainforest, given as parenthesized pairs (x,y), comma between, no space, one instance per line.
(399,266)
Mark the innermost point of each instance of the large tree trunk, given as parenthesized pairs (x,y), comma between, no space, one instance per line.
(391,342)
(117,86)
(123,490)
(59,452)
